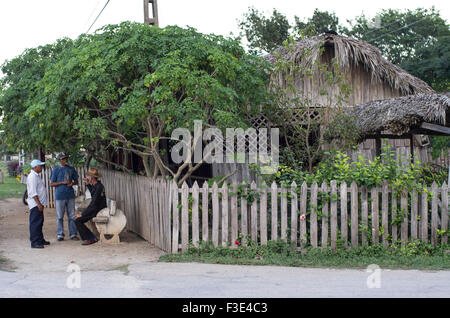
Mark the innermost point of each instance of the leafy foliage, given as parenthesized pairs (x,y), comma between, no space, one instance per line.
(417,40)
(265,34)
(338,166)
(128,86)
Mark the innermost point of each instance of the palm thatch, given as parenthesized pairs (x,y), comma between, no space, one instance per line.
(351,52)
(398,115)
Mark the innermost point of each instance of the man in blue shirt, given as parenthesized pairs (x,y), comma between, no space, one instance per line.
(63,178)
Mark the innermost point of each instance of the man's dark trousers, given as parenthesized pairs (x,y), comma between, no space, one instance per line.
(85,233)
(36,224)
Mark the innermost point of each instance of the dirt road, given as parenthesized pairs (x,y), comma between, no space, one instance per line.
(15,245)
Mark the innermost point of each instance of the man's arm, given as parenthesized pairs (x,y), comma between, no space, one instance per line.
(53,182)
(39,204)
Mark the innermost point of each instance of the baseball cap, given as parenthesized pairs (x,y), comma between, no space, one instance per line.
(36,162)
(62,155)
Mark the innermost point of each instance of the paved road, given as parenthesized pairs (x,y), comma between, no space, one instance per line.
(176,280)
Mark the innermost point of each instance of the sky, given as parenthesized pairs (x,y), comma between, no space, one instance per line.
(30,23)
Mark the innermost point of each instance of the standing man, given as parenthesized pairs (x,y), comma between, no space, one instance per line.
(37,199)
(98,202)
(63,178)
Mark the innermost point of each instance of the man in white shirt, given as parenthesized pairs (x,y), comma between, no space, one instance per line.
(37,199)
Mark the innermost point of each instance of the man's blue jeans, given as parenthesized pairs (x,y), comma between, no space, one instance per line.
(69,207)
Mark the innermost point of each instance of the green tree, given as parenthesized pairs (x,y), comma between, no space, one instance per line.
(28,122)
(128,86)
(320,22)
(265,34)
(416,40)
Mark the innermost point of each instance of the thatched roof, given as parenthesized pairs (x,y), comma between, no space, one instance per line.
(350,52)
(398,115)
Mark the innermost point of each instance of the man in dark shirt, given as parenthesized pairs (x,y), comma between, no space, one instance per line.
(63,178)
(98,202)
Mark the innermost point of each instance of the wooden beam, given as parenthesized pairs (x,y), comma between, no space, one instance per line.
(436,128)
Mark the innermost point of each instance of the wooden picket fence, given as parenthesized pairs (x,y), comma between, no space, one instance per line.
(173,218)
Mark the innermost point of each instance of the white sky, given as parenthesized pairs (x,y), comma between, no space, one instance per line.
(29,23)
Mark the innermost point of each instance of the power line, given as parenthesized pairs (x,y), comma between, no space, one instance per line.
(383,35)
(98,16)
(92,13)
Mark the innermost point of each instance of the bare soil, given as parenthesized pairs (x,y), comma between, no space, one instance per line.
(15,245)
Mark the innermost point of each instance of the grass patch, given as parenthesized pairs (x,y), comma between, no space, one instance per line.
(11,188)
(416,255)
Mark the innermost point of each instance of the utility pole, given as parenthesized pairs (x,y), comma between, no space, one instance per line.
(151,20)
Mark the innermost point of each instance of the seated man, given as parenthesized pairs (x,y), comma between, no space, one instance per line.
(98,202)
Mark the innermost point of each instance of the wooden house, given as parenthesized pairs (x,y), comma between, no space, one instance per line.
(370,76)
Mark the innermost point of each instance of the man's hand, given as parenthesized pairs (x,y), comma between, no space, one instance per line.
(40,207)
(69,184)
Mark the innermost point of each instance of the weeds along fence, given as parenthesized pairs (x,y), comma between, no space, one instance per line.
(174,218)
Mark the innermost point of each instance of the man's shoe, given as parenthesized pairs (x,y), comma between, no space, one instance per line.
(60,239)
(74,238)
(89,242)
(44,242)
(38,246)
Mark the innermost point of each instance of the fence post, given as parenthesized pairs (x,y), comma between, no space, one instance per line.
(333,209)
(404,226)
(234,215)
(385,213)
(344,214)
(325,216)
(434,214)
(375,216)
(274,211)
(283,210)
(205,206)
(303,199)
(195,218)
(184,217)
(215,220)
(313,215)
(175,218)
(224,214)
(244,218)
(364,215)
(414,209)
(254,214)
(444,213)
(424,218)
(354,214)
(263,214)
(294,208)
